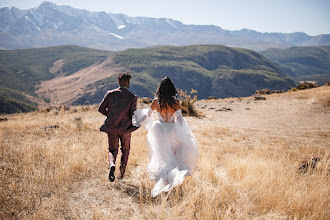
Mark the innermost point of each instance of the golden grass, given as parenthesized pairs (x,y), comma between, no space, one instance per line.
(62,173)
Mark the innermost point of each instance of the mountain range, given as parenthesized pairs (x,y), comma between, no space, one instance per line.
(51,25)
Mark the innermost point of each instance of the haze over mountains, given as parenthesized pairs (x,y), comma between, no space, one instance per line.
(51,25)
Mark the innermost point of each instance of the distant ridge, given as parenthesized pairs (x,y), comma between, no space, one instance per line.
(213,70)
(76,75)
(52,25)
(303,63)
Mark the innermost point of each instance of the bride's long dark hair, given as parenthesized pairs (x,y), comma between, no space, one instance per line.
(166,93)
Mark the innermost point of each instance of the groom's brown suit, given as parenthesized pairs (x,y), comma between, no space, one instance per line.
(118,105)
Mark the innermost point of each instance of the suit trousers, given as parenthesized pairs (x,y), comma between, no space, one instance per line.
(125,142)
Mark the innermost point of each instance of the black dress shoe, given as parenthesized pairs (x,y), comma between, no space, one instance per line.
(112,173)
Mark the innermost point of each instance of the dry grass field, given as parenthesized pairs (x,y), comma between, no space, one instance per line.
(250,152)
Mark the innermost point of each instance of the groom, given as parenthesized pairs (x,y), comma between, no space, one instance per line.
(118,105)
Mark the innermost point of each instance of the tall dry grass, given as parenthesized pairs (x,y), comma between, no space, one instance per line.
(62,173)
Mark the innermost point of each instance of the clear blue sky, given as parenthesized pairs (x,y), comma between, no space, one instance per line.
(287,16)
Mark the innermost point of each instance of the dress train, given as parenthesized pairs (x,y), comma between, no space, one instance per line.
(172,149)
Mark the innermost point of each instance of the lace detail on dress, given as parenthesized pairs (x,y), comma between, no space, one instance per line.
(167,118)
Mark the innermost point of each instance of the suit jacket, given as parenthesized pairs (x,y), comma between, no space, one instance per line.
(118,105)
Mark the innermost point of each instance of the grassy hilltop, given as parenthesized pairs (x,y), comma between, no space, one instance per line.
(248,167)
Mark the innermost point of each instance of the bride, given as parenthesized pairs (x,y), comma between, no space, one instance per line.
(172,147)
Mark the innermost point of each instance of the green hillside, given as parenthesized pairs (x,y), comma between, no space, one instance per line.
(303,63)
(213,70)
(12,101)
(21,70)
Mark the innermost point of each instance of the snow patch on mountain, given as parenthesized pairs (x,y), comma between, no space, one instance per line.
(171,22)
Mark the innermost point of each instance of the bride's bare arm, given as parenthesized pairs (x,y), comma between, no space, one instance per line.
(154,104)
(177,104)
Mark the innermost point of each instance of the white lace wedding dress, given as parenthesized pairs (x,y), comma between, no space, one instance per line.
(172,148)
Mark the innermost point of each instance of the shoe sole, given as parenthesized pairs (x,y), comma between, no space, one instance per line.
(112,174)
